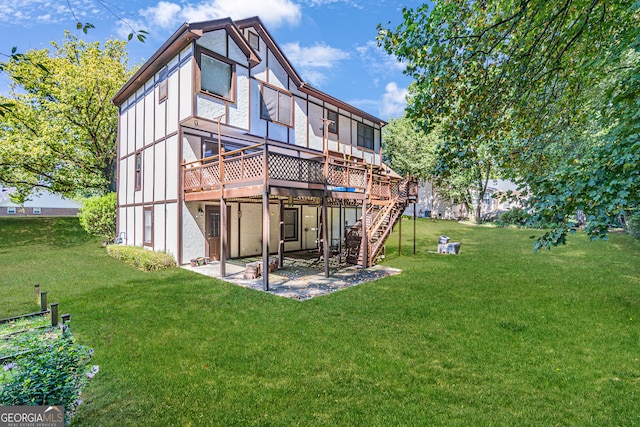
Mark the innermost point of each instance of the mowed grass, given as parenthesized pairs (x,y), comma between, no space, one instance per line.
(494,336)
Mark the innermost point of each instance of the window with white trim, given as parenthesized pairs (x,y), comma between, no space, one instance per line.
(11,211)
(37,211)
(276,106)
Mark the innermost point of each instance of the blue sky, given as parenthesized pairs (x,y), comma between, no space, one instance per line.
(331,43)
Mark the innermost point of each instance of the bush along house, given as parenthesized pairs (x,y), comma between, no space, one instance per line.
(226,152)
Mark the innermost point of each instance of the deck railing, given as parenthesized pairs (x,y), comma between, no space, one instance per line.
(247,165)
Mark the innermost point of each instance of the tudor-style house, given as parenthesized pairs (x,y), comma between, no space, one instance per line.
(225,151)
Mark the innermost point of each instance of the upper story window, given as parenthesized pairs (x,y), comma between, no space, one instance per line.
(333,117)
(365,136)
(254,41)
(276,106)
(216,75)
(163,92)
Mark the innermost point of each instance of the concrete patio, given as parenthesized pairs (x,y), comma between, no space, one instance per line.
(299,278)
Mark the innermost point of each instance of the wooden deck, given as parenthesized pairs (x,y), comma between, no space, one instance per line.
(265,168)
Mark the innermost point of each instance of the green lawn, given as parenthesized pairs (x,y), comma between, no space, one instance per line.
(493,336)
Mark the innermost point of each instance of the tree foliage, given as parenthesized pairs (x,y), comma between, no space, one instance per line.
(549,91)
(410,149)
(60,130)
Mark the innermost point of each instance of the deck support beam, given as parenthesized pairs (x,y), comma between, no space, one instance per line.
(265,240)
(325,234)
(281,234)
(223,237)
(364,245)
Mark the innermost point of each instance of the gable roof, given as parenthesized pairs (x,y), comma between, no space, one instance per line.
(174,45)
(303,86)
(189,32)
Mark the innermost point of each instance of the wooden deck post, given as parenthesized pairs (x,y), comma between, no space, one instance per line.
(400,236)
(325,234)
(414,228)
(223,237)
(281,234)
(340,228)
(364,244)
(265,240)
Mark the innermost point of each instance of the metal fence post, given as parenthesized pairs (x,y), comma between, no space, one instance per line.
(43,301)
(54,314)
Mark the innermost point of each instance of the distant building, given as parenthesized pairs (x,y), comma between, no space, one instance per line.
(501,195)
(42,204)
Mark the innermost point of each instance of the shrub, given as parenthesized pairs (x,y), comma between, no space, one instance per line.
(515,216)
(633,225)
(141,258)
(98,216)
(49,372)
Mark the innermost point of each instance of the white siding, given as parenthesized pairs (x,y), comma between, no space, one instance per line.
(172,167)
(258,126)
(160,119)
(138,226)
(209,107)
(239,112)
(251,233)
(148,179)
(122,134)
(158,227)
(130,226)
(193,240)
(315,127)
(277,76)
(149,133)
(172,103)
(186,90)
(235,53)
(130,171)
(172,228)
(300,119)
(215,41)
(160,171)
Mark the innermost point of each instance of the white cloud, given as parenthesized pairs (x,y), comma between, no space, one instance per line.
(273,13)
(164,14)
(381,64)
(394,100)
(318,56)
(29,12)
(391,105)
(313,62)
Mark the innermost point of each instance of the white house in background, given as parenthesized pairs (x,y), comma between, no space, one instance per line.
(501,195)
(39,204)
(225,151)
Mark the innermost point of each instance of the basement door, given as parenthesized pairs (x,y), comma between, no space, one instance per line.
(213,230)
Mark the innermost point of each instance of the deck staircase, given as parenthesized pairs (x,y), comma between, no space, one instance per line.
(381,217)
